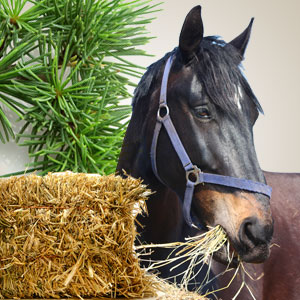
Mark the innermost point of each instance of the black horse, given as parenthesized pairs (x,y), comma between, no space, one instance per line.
(212,109)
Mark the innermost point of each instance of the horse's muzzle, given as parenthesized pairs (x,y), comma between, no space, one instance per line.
(252,245)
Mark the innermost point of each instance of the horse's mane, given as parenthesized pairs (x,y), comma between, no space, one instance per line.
(219,67)
(149,77)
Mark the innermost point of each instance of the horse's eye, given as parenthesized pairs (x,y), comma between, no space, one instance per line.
(202,113)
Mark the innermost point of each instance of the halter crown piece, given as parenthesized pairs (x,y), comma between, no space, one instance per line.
(194,176)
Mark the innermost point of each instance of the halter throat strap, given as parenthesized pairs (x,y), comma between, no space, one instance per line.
(194,176)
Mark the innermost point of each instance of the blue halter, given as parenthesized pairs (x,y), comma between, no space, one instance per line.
(194,176)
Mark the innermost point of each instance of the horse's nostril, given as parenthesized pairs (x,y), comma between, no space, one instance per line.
(248,228)
(253,233)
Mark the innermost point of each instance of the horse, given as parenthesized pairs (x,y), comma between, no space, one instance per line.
(190,139)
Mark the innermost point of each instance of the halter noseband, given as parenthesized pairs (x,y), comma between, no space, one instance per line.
(194,176)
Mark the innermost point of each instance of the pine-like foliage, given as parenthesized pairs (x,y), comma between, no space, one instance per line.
(64,70)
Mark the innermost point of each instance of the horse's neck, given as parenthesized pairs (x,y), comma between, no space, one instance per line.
(133,148)
(164,222)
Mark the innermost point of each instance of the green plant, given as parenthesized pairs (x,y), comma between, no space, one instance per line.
(64,70)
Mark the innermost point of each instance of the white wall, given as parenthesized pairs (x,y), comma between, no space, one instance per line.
(272,66)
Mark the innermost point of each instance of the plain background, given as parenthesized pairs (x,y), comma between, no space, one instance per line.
(272,67)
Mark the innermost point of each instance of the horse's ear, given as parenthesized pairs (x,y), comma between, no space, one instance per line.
(191,33)
(241,42)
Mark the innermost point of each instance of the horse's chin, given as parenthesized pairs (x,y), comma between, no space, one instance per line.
(257,255)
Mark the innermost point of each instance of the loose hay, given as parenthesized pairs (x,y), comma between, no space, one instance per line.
(172,292)
(195,251)
(70,235)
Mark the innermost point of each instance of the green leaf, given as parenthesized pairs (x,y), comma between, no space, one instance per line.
(65,68)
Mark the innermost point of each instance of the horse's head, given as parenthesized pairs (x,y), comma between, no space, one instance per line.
(213,110)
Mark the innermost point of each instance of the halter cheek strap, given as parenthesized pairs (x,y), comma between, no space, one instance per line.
(194,176)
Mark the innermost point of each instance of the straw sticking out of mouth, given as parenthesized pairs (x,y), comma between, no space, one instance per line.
(195,251)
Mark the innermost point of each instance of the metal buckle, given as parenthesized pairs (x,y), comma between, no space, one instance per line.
(194,175)
(163,112)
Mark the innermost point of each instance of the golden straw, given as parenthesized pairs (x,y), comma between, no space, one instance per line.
(71,235)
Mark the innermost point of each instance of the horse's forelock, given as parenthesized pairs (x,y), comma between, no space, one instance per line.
(219,70)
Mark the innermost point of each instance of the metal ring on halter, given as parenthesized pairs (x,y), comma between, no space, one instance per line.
(194,176)
(161,117)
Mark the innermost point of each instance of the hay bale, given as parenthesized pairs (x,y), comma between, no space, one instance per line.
(70,235)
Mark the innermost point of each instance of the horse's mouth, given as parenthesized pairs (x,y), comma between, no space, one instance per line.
(229,256)
(226,255)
